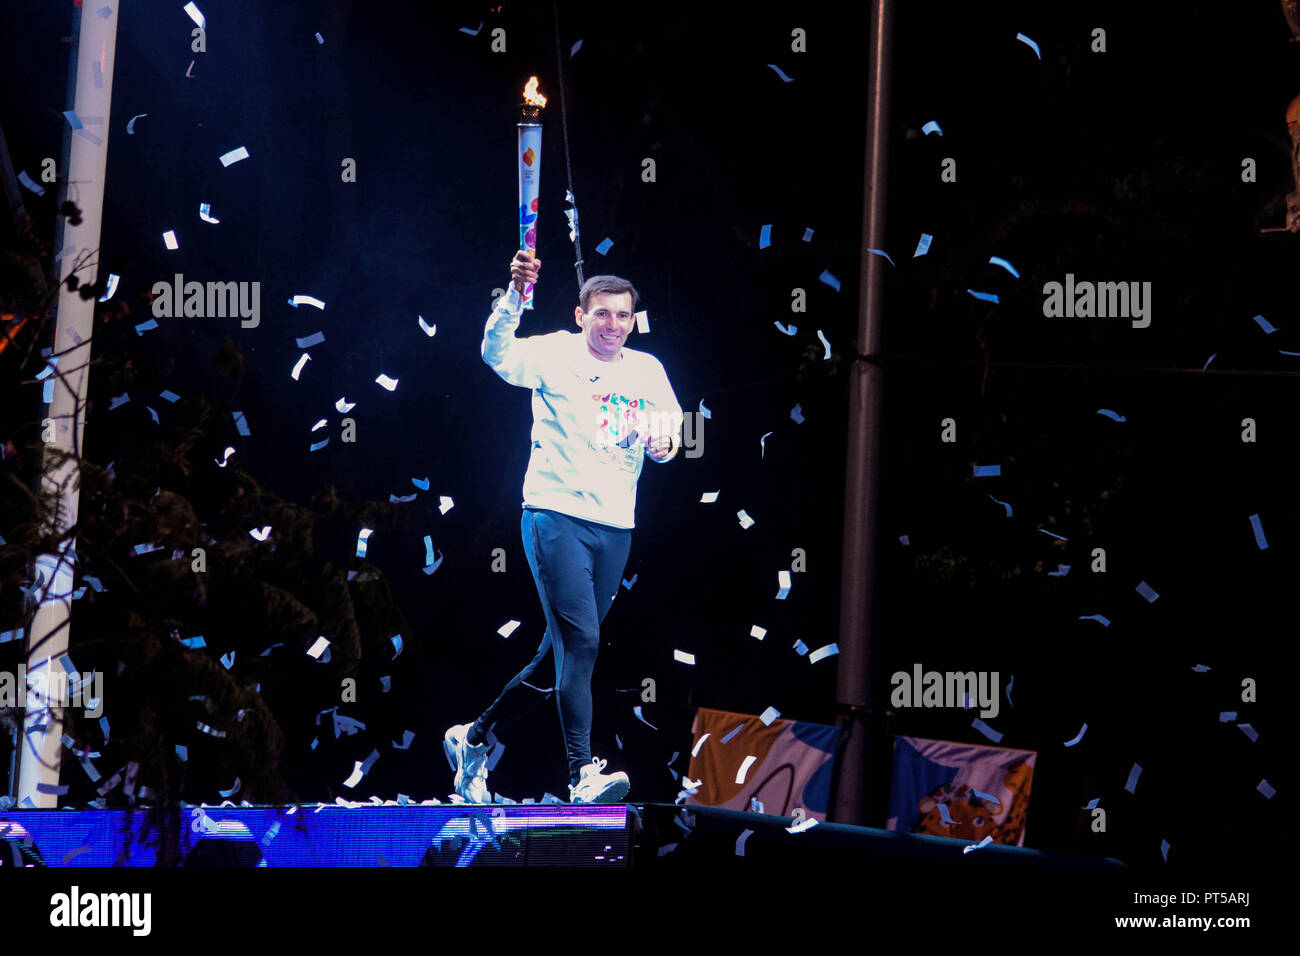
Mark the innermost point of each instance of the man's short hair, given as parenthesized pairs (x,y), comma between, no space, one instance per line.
(613,285)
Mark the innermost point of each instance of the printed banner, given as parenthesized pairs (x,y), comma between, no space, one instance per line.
(791,766)
(964,791)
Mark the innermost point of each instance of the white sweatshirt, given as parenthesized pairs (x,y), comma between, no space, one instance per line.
(591,418)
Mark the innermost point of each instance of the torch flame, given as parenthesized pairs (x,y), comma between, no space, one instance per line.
(531,96)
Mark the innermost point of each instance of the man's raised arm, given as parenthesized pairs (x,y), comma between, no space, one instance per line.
(515,360)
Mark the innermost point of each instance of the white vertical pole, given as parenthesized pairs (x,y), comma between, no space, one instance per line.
(60,479)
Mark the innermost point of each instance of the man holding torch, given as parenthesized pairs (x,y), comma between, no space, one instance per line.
(598,409)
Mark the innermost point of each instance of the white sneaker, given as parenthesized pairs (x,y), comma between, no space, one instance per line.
(597,787)
(470,764)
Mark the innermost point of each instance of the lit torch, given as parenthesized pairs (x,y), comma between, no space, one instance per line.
(530,173)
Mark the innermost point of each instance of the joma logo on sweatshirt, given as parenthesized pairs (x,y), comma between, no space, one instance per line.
(1098,300)
(102,909)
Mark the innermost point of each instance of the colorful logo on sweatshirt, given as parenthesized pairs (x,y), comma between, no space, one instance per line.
(618,438)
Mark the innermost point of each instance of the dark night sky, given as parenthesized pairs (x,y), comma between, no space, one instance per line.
(1119,166)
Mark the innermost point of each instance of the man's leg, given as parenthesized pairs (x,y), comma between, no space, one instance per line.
(577,565)
(519,697)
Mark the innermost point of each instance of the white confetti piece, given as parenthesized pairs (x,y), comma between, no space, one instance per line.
(321,646)
(234,156)
(643,322)
(260,534)
(744,768)
(824,343)
(192,9)
(695,751)
(803,825)
(298,300)
(708,498)
(783,580)
(769,715)
(355,777)
(429,330)
(505,630)
(684,657)
(343,405)
(762,446)
(363,539)
(386,382)
(445,504)
(297,369)
(829,650)
(757,632)
(169,239)
(746,521)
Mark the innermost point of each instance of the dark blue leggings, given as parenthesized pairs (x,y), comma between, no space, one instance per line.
(577,566)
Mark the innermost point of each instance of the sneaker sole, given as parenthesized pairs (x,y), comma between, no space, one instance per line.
(614,793)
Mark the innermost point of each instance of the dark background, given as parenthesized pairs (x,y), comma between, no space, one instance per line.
(1115,166)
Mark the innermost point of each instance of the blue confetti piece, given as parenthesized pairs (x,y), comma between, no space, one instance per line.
(1061,571)
(1007,692)
(987,731)
(474,32)
(1092,804)
(170,396)
(1003,504)
(144,327)
(1103,621)
(807,235)
(15,635)
(931,127)
(316,338)
(1051,535)
(1077,737)
(786,329)
(73,120)
(605,245)
(47,392)
(999,261)
(1227,716)
(422,485)
(987,471)
(1259,533)
(944,815)
(1164,850)
(784,78)
(118,400)
(984,296)
(988,797)
(881,252)
(153,414)
(1284,352)
(923,245)
(1113,416)
(241,424)
(1144,589)
(1133,775)
(628,584)
(1200,668)
(765,236)
(317,446)
(397,644)
(1209,360)
(733,733)
(1266,325)
(1031,44)
(830,280)
(195,642)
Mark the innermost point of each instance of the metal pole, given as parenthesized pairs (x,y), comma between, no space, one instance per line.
(42,735)
(862,473)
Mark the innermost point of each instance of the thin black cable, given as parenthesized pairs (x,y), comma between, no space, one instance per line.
(564,127)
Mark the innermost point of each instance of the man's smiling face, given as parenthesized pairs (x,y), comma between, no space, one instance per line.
(608,324)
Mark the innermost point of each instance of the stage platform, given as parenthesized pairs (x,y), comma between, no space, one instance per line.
(638,835)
